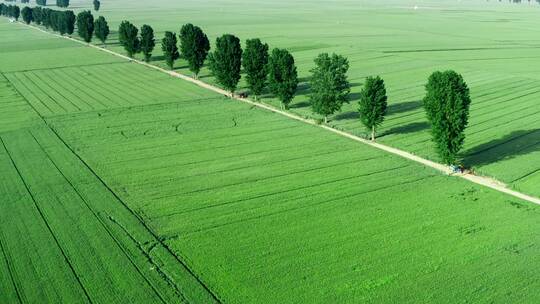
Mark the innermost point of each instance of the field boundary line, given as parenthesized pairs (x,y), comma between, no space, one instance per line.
(44,218)
(480,180)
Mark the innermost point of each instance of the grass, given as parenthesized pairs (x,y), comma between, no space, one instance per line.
(120,183)
(491,44)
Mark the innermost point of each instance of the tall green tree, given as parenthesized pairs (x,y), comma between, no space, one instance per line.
(85,25)
(27,14)
(97,5)
(62,3)
(69,22)
(254,61)
(15,12)
(148,41)
(101,28)
(170,48)
(329,85)
(46,17)
(194,47)
(226,61)
(282,76)
(447,103)
(37,15)
(122,29)
(373,104)
(128,36)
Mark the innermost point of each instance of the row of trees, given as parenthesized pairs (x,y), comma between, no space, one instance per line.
(446,102)
(41,2)
(11,11)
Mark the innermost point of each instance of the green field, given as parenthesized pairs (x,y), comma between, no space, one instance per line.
(122,184)
(494,45)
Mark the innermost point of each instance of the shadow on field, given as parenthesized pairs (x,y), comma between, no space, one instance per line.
(347,115)
(403,107)
(515,144)
(406,129)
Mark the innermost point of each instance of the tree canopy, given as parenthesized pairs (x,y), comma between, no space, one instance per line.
(372,104)
(147,41)
(254,61)
(282,76)
(170,48)
(226,61)
(329,85)
(97,5)
(85,25)
(194,47)
(62,3)
(128,37)
(27,14)
(447,104)
(101,28)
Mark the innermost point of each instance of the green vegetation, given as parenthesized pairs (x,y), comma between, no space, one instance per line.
(282,76)
(226,61)
(255,61)
(329,85)
(101,29)
(170,49)
(194,46)
(373,104)
(147,41)
(85,25)
(447,106)
(27,14)
(183,196)
(128,37)
(96,4)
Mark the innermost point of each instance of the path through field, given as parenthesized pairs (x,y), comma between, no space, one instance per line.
(481,180)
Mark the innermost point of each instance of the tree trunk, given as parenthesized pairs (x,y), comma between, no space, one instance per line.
(373,133)
(325,119)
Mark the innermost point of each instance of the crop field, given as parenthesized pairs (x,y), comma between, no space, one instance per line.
(494,45)
(123,184)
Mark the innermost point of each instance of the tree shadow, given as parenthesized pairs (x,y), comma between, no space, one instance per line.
(347,115)
(512,145)
(404,107)
(407,129)
(157,58)
(302,104)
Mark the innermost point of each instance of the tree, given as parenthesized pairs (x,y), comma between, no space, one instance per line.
(128,38)
(69,22)
(170,50)
(41,2)
(372,104)
(27,14)
(447,104)
(329,85)
(97,4)
(85,25)
(254,60)
(194,46)
(282,76)
(46,17)
(147,41)
(226,61)
(101,29)
(15,12)
(122,29)
(37,15)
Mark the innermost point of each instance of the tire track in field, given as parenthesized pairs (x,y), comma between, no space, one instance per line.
(68,262)
(100,220)
(10,270)
(159,240)
(480,180)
